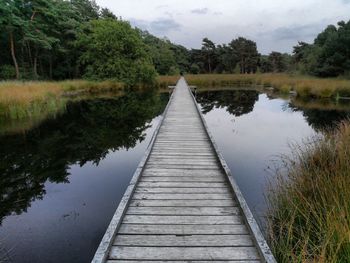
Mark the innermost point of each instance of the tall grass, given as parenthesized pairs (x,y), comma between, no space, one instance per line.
(321,104)
(309,213)
(23,100)
(163,82)
(304,86)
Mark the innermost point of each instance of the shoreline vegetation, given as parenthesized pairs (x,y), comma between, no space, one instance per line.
(33,99)
(309,214)
(302,86)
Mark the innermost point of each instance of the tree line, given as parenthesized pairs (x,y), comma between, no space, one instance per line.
(329,55)
(58,39)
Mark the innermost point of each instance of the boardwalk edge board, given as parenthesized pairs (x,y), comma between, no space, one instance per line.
(263,248)
(107,240)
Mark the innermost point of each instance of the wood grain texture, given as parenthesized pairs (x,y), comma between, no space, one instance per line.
(184,203)
(191,196)
(199,211)
(184,253)
(184,241)
(183,220)
(187,261)
(177,190)
(156,229)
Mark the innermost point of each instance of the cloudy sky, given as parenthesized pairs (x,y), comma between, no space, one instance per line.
(274,24)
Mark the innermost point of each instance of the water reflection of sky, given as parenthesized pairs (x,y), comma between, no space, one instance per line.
(252,142)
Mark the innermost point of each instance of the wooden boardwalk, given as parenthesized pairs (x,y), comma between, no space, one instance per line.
(182,204)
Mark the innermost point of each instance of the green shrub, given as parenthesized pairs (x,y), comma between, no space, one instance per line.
(7,72)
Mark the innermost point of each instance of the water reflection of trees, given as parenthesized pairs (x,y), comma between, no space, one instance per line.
(236,102)
(87,131)
(321,114)
(321,120)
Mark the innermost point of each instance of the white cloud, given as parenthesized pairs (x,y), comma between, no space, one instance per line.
(200,11)
(273,24)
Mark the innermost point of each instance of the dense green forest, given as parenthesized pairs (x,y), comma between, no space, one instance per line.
(58,39)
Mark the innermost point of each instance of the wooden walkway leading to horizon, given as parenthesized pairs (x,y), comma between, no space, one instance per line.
(182,204)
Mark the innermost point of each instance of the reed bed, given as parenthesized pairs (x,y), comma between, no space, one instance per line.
(23,100)
(20,100)
(309,213)
(321,104)
(304,86)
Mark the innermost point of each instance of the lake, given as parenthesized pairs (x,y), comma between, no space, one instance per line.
(62,180)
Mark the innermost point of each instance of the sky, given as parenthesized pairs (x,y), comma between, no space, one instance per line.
(276,25)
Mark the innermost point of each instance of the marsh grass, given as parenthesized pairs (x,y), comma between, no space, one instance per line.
(32,100)
(304,86)
(309,213)
(321,104)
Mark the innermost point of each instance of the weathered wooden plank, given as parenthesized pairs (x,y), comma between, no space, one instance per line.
(178,149)
(198,143)
(182,148)
(183,253)
(155,229)
(184,241)
(179,176)
(185,172)
(188,156)
(180,203)
(187,261)
(181,139)
(181,129)
(179,157)
(174,164)
(181,152)
(153,196)
(175,190)
(183,220)
(182,163)
(183,179)
(183,144)
(178,135)
(162,150)
(183,211)
(181,184)
(183,166)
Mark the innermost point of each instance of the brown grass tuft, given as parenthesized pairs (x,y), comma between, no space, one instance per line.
(309,214)
(23,100)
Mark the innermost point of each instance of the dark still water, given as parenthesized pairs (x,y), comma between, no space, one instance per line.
(252,131)
(61,182)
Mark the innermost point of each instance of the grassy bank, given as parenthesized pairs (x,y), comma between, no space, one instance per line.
(30,100)
(309,214)
(33,100)
(304,86)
